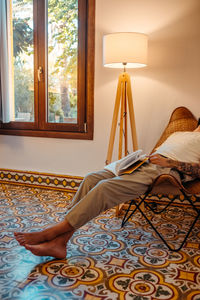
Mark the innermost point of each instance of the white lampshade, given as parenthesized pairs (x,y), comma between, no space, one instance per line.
(128,48)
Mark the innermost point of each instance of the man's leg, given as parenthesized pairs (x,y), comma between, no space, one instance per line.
(51,233)
(33,238)
(111,192)
(89,181)
(106,194)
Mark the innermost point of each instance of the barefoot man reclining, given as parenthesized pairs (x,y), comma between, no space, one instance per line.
(99,191)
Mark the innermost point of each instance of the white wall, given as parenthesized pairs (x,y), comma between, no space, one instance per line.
(171,79)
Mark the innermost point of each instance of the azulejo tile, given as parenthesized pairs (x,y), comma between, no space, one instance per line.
(194,295)
(68,274)
(104,261)
(36,179)
(142,283)
(156,255)
(98,243)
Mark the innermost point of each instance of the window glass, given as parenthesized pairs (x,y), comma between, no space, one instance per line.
(22,32)
(62,61)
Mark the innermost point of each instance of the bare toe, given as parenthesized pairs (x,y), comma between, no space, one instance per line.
(19,237)
(31,238)
(48,249)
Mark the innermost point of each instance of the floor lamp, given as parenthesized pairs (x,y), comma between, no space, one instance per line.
(124,50)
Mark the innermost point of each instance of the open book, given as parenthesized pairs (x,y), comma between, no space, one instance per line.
(122,166)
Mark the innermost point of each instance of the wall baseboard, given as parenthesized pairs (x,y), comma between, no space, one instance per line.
(41,180)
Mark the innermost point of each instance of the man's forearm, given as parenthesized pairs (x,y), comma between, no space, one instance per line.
(192,169)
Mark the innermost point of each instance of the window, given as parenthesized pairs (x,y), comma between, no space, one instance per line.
(52,50)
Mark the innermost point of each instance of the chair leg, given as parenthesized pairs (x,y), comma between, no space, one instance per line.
(155,211)
(190,201)
(126,218)
(137,207)
(162,238)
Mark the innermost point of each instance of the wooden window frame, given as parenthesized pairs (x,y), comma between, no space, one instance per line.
(85,119)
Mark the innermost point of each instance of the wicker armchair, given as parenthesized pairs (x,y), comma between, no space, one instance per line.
(181,120)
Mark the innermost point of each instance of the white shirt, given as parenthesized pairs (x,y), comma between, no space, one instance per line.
(182,146)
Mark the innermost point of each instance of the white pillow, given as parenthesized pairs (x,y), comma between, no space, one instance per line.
(182,146)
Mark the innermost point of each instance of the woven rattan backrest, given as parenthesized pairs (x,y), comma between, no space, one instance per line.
(181,120)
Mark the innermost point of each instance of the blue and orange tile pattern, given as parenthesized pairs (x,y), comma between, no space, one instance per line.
(103,261)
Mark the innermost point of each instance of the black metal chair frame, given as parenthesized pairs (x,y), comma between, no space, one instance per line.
(142,200)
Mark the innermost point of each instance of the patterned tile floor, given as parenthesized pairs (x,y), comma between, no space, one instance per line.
(103,260)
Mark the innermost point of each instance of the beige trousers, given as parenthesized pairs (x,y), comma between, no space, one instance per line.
(102,190)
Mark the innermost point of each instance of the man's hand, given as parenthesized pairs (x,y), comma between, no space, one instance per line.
(192,169)
(159,160)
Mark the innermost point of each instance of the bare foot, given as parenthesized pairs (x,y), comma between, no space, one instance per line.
(35,238)
(32,238)
(55,247)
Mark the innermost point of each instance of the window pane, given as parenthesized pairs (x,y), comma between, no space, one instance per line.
(22,22)
(62,61)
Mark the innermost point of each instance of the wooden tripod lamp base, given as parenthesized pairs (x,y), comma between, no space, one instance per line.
(122,102)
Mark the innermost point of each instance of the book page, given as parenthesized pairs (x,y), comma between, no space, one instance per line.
(130,159)
(122,164)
